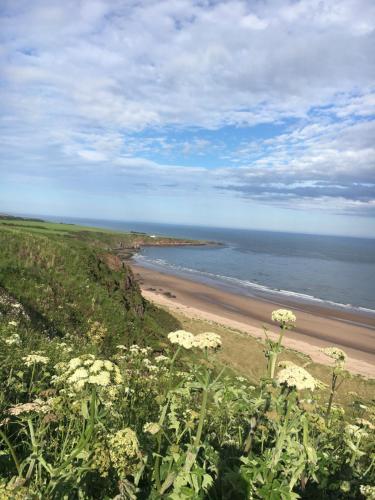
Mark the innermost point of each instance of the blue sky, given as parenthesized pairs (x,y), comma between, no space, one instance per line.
(254,114)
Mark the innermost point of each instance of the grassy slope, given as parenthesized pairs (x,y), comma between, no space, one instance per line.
(65,277)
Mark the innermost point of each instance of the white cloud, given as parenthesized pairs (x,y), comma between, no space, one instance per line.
(80,77)
(184,62)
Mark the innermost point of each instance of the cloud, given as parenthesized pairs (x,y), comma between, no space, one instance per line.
(137,64)
(125,89)
(321,161)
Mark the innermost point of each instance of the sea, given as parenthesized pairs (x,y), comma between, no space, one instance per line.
(335,271)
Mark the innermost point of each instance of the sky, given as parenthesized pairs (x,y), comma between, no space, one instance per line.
(255,114)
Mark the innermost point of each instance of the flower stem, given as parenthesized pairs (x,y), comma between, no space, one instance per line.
(12,452)
(331,396)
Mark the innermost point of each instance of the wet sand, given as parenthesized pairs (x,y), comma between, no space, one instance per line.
(317,326)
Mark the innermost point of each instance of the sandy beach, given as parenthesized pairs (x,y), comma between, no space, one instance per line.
(317,327)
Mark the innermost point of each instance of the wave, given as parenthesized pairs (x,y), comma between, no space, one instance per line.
(248,285)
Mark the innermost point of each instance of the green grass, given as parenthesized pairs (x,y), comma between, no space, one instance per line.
(93,235)
(68,278)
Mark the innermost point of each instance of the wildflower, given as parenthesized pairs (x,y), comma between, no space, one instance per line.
(108,365)
(101,460)
(117,375)
(182,338)
(80,373)
(123,449)
(119,450)
(12,323)
(355,431)
(161,358)
(14,339)
(102,378)
(151,428)
(345,486)
(367,491)
(35,358)
(60,367)
(296,377)
(284,317)
(121,347)
(96,366)
(335,353)
(97,332)
(365,423)
(74,363)
(87,370)
(37,406)
(207,340)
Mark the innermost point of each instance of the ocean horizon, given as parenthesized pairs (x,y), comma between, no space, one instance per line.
(332,271)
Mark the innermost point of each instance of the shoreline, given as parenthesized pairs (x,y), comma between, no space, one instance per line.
(358,315)
(317,326)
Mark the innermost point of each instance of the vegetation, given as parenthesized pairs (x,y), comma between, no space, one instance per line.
(99,401)
(69,282)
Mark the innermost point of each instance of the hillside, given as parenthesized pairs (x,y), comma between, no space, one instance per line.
(67,278)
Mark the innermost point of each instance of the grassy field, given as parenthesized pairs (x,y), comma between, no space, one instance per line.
(93,235)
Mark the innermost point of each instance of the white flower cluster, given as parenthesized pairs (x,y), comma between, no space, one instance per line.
(121,347)
(206,340)
(135,350)
(296,377)
(355,431)
(284,317)
(368,491)
(182,338)
(37,406)
(64,347)
(13,339)
(35,358)
(87,370)
(161,358)
(335,353)
(362,422)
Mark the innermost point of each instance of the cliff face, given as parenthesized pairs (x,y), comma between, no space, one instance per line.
(121,278)
(65,284)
